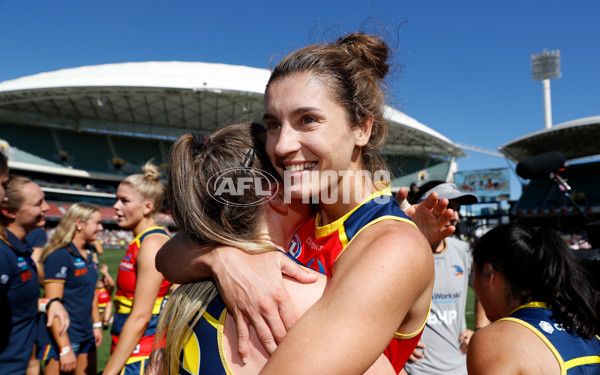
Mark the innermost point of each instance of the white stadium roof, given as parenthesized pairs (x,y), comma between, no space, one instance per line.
(574,139)
(167,99)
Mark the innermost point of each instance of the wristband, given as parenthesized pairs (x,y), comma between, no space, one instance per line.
(64,350)
(52,300)
(42,307)
(97,325)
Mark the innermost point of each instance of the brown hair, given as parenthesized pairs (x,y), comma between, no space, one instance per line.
(149,185)
(235,151)
(354,68)
(3,163)
(212,217)
(14,195)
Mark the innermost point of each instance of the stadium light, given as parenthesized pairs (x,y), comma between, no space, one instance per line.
(544,66)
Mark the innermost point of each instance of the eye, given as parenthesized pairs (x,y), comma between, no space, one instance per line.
(272,125)
(308,120)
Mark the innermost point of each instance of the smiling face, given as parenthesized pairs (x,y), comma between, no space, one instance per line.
(131,207)
(31,213)
(91,227)
(308,134)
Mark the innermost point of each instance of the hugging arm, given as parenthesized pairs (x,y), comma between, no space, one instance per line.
(251,285)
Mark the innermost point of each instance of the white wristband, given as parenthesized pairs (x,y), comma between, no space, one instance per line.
(65,350)
(97,325)
(42,305)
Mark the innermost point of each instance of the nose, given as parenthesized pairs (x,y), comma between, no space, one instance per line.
(45,206)
(115,205)
(287,141)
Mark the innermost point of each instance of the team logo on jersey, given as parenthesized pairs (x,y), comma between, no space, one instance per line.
(295,248)
(4,279)
(458,271)
(546,327)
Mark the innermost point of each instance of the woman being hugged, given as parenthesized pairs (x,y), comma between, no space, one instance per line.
(141,289)
(543,304)
(71,274)
(22,209)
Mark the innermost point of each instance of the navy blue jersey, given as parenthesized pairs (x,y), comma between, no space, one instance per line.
(79,275)
(19,293)
(575,355)
(37,238)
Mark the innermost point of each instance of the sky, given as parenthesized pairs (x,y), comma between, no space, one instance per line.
(461,67)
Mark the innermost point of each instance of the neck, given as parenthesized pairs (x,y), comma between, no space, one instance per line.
(350,192)
(145,223)
(17,230)
(79,243)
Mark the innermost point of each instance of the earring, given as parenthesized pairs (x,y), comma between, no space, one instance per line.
(78,228)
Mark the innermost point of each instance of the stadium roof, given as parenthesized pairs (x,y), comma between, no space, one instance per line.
(167,99)
(575,139)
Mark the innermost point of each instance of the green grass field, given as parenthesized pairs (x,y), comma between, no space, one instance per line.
(113,257)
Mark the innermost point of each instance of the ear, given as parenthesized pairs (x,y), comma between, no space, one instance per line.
(488,271)
(8,213)
(362,133)
(78,223)
(148,206)
(277,199)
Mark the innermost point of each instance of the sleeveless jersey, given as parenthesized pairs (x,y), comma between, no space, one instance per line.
(103,299)
(318,247)
(203,352)
(575,355)
(126,279)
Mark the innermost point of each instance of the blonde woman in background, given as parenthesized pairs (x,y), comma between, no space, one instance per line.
(141,289)
(71,274)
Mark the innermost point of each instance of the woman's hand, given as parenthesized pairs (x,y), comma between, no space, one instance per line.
(57,311)
(432,216)
(68,361)
(252,287)
(98,336)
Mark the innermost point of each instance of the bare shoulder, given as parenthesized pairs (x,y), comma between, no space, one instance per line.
(396,249)
(506,347)
(153,243)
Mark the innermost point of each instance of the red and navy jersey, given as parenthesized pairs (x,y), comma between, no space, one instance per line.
(575,355)
(318,247)
(79,275)
(19,293)
(126,279)
(103,299)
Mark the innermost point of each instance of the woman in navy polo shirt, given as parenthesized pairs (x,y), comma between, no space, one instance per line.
(71,274)
(22,210)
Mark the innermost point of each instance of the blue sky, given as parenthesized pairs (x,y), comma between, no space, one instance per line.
(465,64)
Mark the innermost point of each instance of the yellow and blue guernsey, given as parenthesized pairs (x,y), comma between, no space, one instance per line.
(318,247)
(575,355)
(203,353)
(126,279)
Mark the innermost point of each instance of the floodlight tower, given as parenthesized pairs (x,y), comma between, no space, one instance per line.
(544,66)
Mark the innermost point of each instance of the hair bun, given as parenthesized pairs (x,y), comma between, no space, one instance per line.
(370,49)
(151,171)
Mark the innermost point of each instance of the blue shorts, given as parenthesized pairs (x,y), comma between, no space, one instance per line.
(46,352)
(135,368)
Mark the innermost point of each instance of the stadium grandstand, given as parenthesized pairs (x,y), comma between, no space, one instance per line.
(78,132)
(542,202)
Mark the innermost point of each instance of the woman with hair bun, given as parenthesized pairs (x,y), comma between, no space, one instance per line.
(71,274)
(543,304)
(324,118)
(141,289)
